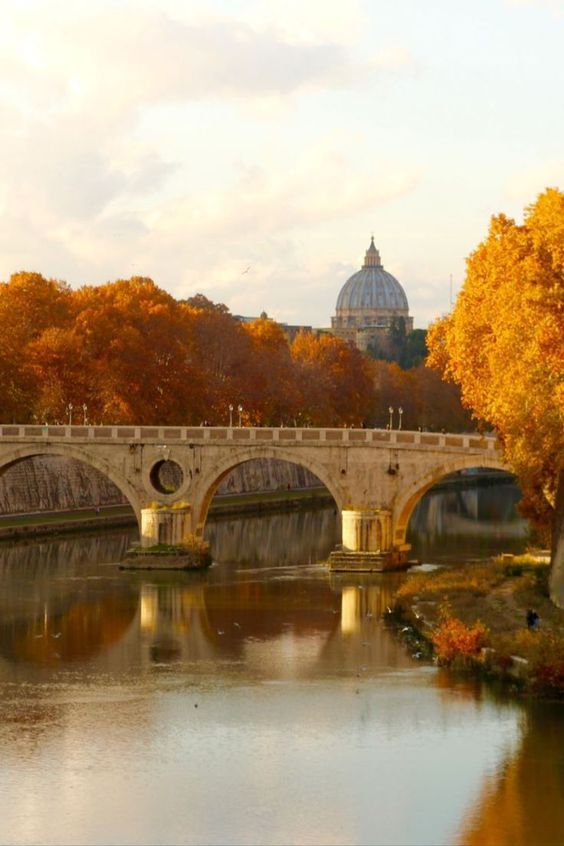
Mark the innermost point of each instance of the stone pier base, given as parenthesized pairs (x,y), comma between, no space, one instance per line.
(164,526)
(367,543)
(167,543)
(343,561)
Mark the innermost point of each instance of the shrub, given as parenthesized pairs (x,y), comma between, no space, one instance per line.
(546,654)
(452,640)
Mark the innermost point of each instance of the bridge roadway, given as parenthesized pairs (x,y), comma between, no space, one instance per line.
(375,476)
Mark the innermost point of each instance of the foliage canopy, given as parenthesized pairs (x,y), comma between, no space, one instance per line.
(503,344)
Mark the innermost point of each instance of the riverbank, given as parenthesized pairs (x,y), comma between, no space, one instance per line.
(36,524)
(474,618)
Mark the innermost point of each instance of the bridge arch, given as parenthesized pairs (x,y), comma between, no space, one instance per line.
(407,499)
(14,456)
(209,483)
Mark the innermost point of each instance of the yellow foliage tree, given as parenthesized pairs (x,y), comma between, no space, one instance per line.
(503,344)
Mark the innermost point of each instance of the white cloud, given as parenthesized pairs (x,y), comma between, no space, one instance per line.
(556,6)
(86,192)
(311,21)
(116,58)
(525,185)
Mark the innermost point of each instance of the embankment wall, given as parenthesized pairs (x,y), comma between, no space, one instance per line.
(49,483)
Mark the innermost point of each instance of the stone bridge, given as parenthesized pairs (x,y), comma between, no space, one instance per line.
(375,476)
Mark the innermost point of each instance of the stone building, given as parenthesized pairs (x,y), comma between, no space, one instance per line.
(368,303)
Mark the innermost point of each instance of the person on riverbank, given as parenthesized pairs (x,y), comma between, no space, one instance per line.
(532,619)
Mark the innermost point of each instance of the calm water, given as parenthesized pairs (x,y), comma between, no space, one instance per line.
(261,702)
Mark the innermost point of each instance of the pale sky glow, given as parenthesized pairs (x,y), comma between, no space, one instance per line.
(188,139)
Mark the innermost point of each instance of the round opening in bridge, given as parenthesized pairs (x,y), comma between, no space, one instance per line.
(166,477)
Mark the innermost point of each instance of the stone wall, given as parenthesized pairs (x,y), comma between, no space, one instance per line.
(48,483)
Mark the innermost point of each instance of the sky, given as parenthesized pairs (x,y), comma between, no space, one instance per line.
(248,149)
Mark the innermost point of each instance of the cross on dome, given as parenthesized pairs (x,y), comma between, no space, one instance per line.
(372,257)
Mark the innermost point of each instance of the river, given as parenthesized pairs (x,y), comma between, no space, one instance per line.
(264,701)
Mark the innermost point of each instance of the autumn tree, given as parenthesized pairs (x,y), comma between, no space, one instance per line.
(29,304)
(427,402)
(220,351)
(334,381)
(124,357)
(271,391)
(503,345)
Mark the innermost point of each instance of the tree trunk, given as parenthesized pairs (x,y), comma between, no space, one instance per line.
(557,551)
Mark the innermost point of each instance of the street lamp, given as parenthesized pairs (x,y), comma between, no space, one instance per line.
(240,410)
(230,415)
(400,412)
(84,410)
(69,409)
(391,411)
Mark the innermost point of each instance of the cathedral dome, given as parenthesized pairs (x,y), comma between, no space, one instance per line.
(372,288)
(369,304)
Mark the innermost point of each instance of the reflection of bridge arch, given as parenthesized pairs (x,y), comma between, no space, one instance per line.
(410,496)
(78,453)
(209,484)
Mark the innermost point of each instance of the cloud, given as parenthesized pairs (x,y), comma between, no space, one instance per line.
(319,185)
(525,185)
(555,6)
(133,140)
(117,58)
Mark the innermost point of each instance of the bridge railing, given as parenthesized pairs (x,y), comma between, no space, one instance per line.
(205,434)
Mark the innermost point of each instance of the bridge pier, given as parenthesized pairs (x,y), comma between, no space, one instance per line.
(164,525)
(167,542)
(367,542)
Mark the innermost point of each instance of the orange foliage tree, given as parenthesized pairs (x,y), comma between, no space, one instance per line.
(425,399)
(123,356)
(503,345)
(334,381)
(220,351)
(29,304)
(271,392)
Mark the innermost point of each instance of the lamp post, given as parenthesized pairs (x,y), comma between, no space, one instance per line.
(400,412)
(391,412)
(240,410)
(84,410)
(230,415)
(69,409)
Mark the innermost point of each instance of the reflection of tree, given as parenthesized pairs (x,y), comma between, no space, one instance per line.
(522,802)
(84,629)
(50,611)
(265,610)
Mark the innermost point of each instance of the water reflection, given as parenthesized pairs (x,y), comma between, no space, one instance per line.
(295,537)
(135,620)
(476,521)
(64,600)
(55,608)
(521,801)
(132,701)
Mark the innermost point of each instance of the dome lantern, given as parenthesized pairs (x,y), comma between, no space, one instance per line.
(372,257)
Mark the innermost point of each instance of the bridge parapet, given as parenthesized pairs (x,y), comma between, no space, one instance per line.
(246,435)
